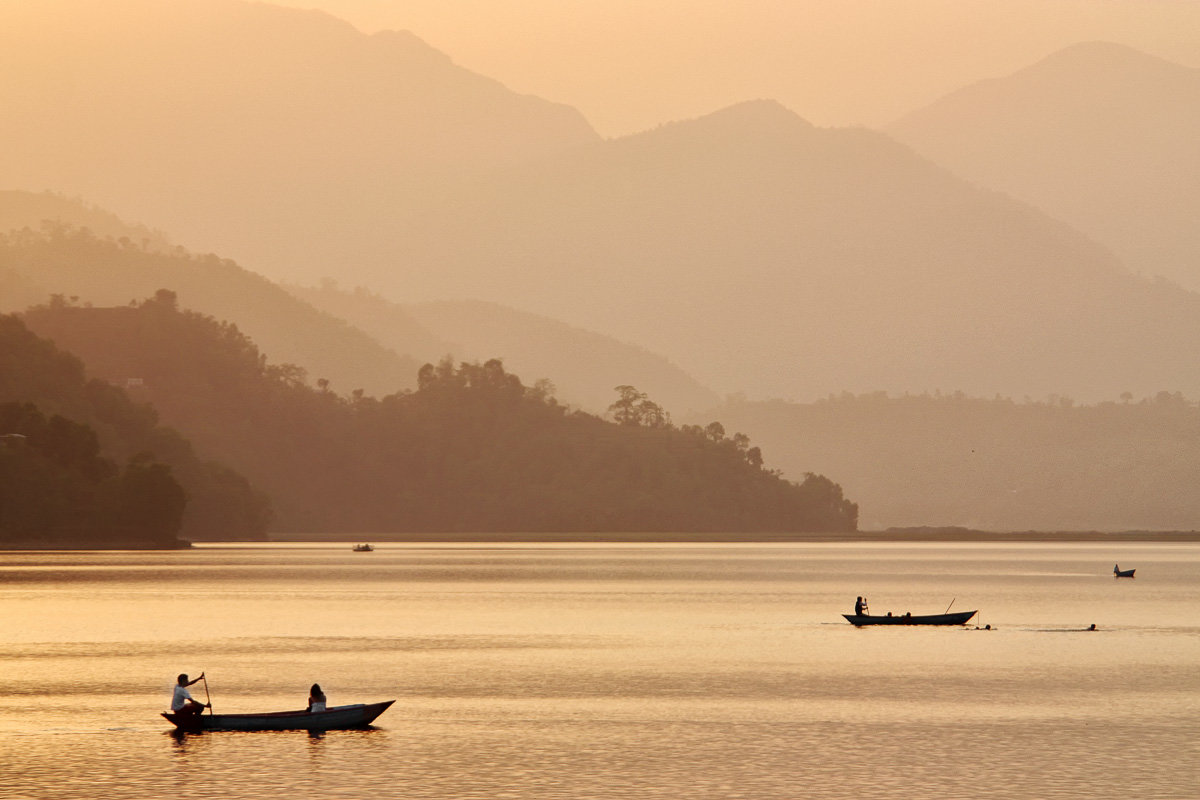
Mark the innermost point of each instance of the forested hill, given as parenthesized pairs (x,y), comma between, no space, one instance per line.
(472,449)
(58,257)
(995,464)
(65,439)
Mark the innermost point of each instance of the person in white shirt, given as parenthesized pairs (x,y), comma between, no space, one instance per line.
(316,699)
(181,700)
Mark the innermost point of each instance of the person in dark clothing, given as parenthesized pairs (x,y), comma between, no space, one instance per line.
(316,699)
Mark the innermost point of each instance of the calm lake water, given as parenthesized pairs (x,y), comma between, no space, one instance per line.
(611,671)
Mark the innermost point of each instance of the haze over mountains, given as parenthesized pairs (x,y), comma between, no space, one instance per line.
(361,341)
(1002,241)
(632,65)
(993,464)
(770,256)
(94,257)
(1099,135)
(758,252)
(585,366)
(276,137)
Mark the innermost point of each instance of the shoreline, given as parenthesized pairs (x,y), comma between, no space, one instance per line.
(54,547)
(897,536)
(891,535)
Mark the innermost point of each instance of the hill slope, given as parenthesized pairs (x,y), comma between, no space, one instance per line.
(1099,135)
(586,366)
(283,138)
(994,464)
(35,373)
(471,450)
(765,255)
(74,262)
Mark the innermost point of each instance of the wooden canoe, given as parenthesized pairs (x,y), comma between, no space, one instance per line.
(332,719)
(957,618)
(1123,573)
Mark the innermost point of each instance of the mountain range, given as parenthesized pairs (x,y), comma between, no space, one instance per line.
(759,253)
(769,256)
(52,248)
(1004,241)
(351,339)
(280,138)
(1098,135)
(585,367)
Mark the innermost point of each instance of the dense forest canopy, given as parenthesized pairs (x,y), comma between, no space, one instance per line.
(57,490)
(37,375)
(471,449)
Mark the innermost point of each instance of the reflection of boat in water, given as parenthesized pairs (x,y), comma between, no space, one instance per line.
(957,618)
(1122,573)
(363,548)
(336,718)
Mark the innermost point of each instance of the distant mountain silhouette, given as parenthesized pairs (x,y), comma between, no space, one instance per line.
(757,252)
(766,255)
(279,137)
(38,210)
(1099,135)
(992,464)
(53,256)
(584,367)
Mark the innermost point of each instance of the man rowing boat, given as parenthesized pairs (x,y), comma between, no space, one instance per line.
(181,700)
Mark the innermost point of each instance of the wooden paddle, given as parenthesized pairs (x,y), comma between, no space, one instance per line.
(207,699)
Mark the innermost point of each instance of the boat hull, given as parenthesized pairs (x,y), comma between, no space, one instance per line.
(957,618)
(336,718)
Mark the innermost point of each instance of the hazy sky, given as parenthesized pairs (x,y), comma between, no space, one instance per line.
(632,64)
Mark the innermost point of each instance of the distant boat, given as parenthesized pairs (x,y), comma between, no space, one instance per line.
(957,618)
(363,548)
(1122,573)
(332,719)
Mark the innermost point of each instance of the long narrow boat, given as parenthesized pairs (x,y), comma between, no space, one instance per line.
(957,618)
(335,718)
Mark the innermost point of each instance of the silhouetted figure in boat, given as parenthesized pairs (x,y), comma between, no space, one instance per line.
(860,607)
(316,699)
(181,700)
(1092,627)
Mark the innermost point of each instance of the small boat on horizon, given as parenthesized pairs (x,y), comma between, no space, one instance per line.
(363,548)
(955,618)
(1122,573)
(336,718)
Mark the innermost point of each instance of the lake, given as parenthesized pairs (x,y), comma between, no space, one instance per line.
(608,671)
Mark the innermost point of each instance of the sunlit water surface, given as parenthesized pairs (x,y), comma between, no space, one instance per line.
(611,671)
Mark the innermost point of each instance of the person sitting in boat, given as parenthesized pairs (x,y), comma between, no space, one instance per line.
(859,605)
(181,700)
(316,699)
